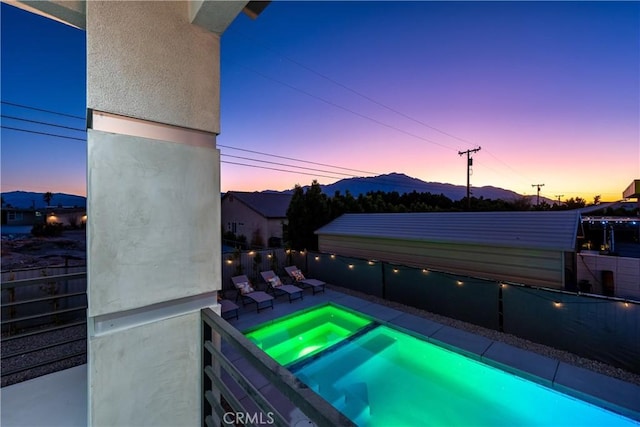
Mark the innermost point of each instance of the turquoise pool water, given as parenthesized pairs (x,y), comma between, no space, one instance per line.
(388,378)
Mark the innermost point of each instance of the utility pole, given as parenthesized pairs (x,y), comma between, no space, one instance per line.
(469,164)
(558,196)
(538,185)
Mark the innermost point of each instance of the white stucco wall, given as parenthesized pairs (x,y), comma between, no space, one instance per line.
(164,387)
(153,234)
(146,60)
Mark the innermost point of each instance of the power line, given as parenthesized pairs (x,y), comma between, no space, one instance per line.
(364,116)
(387,182)
(342,85)
(285,164)
(42,110)
(43,123)
(524,178)
(275,169)
(370,99)
(296,160)
(43,133)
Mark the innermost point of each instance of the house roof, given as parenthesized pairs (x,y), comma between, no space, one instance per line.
(269,205)
(538,230)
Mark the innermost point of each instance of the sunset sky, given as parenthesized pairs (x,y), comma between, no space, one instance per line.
(549,90)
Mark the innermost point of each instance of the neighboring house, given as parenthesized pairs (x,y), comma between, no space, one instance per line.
(20,216)
(67,216)
(252,214)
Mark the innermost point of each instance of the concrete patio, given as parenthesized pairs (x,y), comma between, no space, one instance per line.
(60,399)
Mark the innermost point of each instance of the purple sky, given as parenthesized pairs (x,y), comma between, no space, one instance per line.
(550,90)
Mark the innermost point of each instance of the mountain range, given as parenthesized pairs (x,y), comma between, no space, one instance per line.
(405,184)
(361,185)
(28,199)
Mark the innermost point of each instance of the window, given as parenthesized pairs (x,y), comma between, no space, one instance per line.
(14,216)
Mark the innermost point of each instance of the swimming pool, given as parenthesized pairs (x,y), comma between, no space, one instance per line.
(304,334)
(379,376)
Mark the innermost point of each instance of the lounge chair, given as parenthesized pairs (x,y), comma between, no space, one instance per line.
(228,309)
(315,284)
(249,295)
(276,286)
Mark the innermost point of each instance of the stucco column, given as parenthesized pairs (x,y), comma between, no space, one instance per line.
(154,208)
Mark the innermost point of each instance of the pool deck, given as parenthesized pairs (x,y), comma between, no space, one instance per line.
(60,399)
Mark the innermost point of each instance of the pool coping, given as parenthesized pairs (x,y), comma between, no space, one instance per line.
(606,392)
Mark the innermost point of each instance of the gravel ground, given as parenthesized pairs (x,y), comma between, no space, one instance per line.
(544,350)
(43,339)
(26,251)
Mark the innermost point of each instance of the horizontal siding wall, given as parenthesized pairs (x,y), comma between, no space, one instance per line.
(527,266)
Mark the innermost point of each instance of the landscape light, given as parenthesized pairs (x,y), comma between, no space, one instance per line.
(459,283)
(395,270)
(317,258)
(351,266)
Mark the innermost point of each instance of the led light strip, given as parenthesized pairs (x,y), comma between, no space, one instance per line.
(113,123)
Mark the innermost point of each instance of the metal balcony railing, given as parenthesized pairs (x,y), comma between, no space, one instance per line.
(215,332)
(37,316)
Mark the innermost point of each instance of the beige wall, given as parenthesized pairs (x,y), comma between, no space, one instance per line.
(626,273)
(248,220)
(527,266)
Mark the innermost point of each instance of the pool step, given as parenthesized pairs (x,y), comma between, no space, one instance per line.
(356,401)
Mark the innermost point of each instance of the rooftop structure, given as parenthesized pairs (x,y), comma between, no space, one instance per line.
(536,248)
(268,205)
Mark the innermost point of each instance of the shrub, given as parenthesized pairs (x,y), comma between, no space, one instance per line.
(47,230)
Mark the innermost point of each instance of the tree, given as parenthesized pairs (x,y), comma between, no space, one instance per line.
(47,197)
(307,212)
(575,203)
(317,210)
(296,218)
